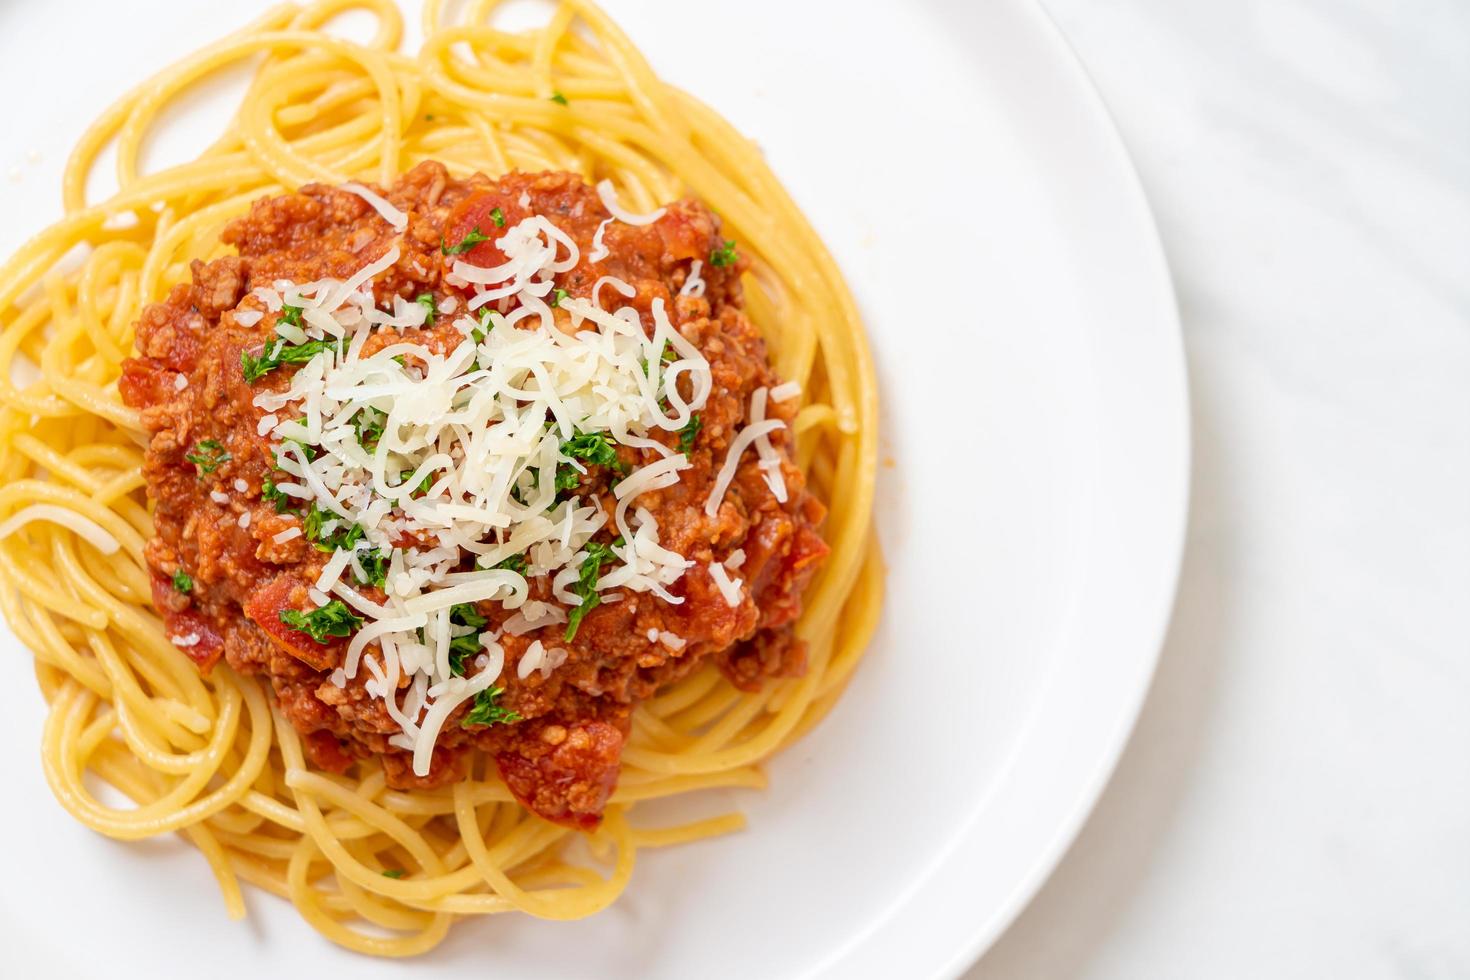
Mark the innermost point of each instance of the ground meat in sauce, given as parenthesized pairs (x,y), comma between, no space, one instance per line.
(561,760)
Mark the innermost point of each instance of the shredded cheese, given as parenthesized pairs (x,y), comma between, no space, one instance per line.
(770,460)
(785,391)
(609,195)
(380,204)
(469,443)
(729,588)
(693,285)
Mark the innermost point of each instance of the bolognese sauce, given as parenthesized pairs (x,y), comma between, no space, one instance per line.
(236,561)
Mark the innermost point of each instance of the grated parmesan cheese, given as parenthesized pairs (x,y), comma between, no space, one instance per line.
(467,459)
(785,391)
(729,588)
(694,284)
(609,196)
(380,204)
(770,461)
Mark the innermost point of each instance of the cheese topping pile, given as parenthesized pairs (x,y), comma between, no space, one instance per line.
(435,476)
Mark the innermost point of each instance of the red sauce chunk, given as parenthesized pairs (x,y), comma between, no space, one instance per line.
(229,574)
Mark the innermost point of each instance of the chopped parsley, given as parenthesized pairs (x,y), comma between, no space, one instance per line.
(558,297)
(426,300)
(375,566)
(558,98)
(342,538)
(594,448)
(333,619)
(498,216)
(468,645)
(311,522)
(273,494)
(724,256)
(487,323)
(182,581)
(515,563)
(290,315)
(469,241)
(487,712)
(368,424)
(398,872)
(598,554)
(307,450)
(668,355)
(567,478)
(207,455)
(689,433)
(255,367)
(424,484)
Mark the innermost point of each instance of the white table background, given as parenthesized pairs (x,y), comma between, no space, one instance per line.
(1296,799)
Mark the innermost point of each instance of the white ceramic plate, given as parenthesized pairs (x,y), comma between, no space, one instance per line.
(1031,507)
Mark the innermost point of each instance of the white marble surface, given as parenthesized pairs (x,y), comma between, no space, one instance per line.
(1296,799)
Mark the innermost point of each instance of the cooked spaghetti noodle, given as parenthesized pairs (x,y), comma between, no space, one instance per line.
(378,870)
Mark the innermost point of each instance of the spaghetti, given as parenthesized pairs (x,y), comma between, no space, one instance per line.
(379,870)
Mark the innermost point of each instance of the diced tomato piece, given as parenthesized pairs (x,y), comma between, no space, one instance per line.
(264,608)
(145,382)
(684,235)
(181,621)
(564,773)
(476,213)
(325,752)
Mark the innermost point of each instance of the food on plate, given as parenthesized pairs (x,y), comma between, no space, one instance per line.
(464,449)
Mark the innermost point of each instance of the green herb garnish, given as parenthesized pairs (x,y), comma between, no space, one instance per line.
(558,98)
(468,645)
(423,485)
(333,619)
(515,563)
(487,712)
(689,433)
(426,300)
(279,352)
(398,872)
(568,477)
(290,315)
(726,255)
(308,451)
(594,448)
(183,582)
(342,538)
(368,423)
(586,585)
(498,216)
(468,242)
(272,494)
(478,334)
(207,455)
(375,566)
(558,297)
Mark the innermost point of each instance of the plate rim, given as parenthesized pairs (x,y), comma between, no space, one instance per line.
(970,941)
(966,944)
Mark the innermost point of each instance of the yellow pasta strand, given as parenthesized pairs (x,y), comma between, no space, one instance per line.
(380,871)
